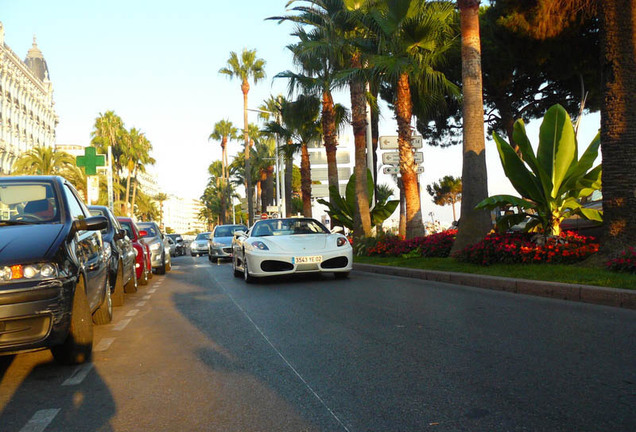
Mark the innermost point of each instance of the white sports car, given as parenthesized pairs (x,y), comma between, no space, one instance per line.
(295,245)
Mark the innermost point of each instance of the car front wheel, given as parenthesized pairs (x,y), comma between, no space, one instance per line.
(246,272)
(78,346)
(104,314)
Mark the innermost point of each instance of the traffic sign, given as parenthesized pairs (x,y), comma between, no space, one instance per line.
(264,216)
(391,142)
(393,158)
(393,169)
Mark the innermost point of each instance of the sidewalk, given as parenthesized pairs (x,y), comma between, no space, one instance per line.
(582,293)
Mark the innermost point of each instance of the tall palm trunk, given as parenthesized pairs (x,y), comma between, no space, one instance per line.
(408,168)
(134,195)
(402,223)
(128,211)
(362,216)
(331,140)
(245,88)
(289,172)
(618,125)
(305,180)
(224,197)
(474,224)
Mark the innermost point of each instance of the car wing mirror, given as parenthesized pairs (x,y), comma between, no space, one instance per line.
(337,229)
(238,234)
(93,223)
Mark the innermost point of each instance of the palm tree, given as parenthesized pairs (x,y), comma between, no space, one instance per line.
(161,197)
(244,68)
(43,160)
(475,224)
(301,125)
(142,160)
(411,38)
(107,131)
(447,191)
(223,131)
(132,142)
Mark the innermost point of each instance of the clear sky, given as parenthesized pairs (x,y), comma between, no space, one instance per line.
(156,62)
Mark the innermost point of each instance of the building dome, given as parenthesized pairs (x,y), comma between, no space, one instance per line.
(35,61)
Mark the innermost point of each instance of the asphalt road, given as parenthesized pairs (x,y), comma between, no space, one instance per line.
(199,350)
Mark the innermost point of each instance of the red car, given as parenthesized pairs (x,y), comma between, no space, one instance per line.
(142,265)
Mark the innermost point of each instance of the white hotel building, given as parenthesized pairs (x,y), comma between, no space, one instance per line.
(27,115)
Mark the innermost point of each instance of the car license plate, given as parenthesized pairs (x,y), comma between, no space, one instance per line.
(308,259)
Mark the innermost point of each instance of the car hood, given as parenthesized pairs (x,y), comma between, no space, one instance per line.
(226,241)
(200,242)
(29,243)
(300,243)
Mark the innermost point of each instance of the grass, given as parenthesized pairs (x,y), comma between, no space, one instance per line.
(573,274)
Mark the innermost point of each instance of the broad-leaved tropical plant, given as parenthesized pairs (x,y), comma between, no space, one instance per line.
(552,181)
(341,209)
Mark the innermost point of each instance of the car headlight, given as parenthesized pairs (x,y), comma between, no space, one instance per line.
(259,245)
(29,271)
(216,244)
(341,241)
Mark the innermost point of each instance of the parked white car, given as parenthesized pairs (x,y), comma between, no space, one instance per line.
(295,245)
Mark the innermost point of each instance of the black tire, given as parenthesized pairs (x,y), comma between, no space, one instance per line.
(209,257)
(118,294)
(246,272)
(236,272)
(341,275)
(144,277)
(132,286)
(161,270)
(104,314)
(78,346)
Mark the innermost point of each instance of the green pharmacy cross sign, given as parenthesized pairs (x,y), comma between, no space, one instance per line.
(91,160)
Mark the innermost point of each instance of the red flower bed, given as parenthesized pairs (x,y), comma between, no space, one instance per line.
(625,263)
(519,248)
(434,245)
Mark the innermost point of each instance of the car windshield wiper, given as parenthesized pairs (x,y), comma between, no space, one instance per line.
(13,222)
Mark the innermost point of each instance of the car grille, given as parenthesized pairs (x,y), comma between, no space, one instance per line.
(227,250)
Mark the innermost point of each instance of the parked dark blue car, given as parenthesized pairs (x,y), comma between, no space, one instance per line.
(119,248)
(53,271)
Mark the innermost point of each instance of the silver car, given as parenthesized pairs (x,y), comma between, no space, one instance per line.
(159,247)
(199,245)
(220,243)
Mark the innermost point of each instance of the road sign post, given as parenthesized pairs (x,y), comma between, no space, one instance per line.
(391,142)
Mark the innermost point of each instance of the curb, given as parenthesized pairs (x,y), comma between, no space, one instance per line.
(614,297)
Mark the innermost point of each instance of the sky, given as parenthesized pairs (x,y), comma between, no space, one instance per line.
(156,64)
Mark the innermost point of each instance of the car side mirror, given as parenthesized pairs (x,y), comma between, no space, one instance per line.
(93,223)
(239,234)
(337,229)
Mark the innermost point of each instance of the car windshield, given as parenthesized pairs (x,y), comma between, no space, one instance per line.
(288,227)
(152,232)
(128,227)
(202,236)
(27,203)
(228,231)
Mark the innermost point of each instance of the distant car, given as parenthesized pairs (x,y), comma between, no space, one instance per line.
(220,242)
(53,269)
(180,247)
(122,256)
(199,246)
(285,246)
(143,267)
(159,248)
(172,245)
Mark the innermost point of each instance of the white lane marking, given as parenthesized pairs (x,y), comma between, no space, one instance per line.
(146,297)
(311,390)
(104,344)
(121,324)
(141,304)
(78,375)
(132,312)
(40,420)
(152,291)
